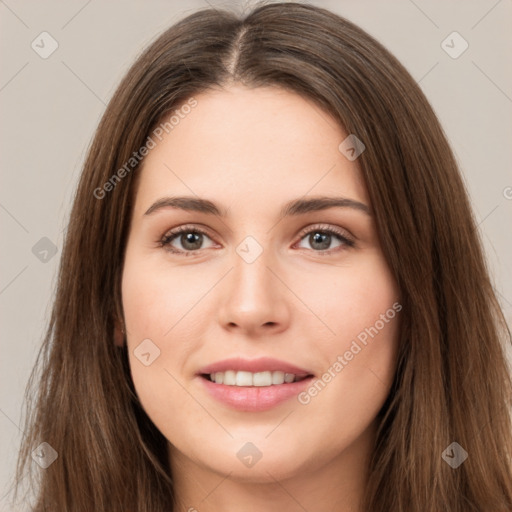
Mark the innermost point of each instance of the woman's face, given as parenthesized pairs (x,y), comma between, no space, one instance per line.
(262,286)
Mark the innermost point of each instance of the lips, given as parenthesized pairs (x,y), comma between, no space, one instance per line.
(263,364)
(251,390)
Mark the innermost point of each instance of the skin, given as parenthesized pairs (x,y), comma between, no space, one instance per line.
(250,151)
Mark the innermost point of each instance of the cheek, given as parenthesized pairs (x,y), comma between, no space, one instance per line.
(377,328)
(354,302)
(155,299)
(163,305)
(362,310)
(151,311)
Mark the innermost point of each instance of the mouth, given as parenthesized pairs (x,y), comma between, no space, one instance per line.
(250,379)
(253,385)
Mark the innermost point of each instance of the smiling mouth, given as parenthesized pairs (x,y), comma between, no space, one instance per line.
(250,379)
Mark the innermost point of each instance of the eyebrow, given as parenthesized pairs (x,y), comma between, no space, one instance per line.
(291,208)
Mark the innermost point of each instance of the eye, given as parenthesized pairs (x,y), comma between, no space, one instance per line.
(320,239)
(189,237)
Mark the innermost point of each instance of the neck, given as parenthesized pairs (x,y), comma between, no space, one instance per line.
(337,484)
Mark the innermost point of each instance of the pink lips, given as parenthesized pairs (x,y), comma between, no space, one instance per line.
(263,364)
(253,398)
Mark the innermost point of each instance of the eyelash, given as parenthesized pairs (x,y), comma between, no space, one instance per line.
(169,237)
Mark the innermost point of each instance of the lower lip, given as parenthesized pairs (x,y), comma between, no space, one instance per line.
(254,398)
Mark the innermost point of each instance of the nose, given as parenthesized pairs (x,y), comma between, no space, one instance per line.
(254,298)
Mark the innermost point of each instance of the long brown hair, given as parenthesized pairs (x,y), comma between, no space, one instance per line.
(452,383)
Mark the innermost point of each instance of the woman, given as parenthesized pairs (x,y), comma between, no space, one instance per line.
(272,294)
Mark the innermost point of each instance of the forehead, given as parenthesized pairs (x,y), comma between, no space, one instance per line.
(238,144)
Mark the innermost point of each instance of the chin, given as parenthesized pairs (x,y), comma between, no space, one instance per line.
(257,461)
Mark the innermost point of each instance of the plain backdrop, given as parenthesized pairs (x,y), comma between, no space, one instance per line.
(51,106)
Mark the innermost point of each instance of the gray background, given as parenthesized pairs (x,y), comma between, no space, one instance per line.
(50,109)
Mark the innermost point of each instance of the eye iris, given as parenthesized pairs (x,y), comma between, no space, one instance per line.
(323,239)
(192,238)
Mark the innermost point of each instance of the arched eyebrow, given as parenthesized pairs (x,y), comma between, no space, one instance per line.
(292,208)
(315,204)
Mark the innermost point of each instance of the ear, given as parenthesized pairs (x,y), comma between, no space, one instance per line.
(118,333)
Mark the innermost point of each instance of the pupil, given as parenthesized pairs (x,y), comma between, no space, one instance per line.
(322,239)
(192,241)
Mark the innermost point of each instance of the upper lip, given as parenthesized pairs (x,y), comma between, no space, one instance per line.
(262,364)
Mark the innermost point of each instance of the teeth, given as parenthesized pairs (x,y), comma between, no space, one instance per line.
(277,377)
(289,377)
(243,379)
(261,379)
(220,380)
